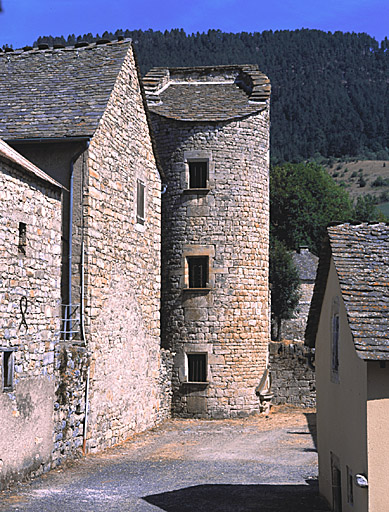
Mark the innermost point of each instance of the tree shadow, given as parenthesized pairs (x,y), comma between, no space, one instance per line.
(241,498)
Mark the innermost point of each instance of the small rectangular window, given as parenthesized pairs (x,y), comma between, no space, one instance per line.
(197,367)
(7,370)
(22,244)
(140,202)
(198,174)
(335,343)
(198,271)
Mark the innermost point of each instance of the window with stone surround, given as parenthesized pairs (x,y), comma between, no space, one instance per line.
(140,202)
(198,271)
(7,368)
(198,172)
(197,367)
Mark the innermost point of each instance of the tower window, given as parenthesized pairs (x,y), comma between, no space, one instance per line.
(198,174)
(7,369)
(198,271)
(22,244)
(197,367)
(140,202)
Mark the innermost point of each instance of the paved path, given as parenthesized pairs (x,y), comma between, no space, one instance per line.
(252,465)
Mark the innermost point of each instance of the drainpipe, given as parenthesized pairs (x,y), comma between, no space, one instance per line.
(82,318)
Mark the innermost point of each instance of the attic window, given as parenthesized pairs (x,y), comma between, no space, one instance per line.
(197,367)
(198,271)
(22,244)
(198,174)
(140,202)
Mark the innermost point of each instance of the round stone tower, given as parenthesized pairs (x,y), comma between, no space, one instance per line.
(211,128)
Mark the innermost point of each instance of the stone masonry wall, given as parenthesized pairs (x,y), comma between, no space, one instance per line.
(292,375)
(229,224)
(30,275)
(122,271)
(294,329)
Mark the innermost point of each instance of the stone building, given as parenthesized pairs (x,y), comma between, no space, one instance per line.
(211,126)
(306,265)
(78,114)
(30,307)
(88,212)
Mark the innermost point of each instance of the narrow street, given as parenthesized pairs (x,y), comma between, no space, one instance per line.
(247,465)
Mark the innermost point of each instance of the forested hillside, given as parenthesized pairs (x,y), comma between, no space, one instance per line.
(330,92)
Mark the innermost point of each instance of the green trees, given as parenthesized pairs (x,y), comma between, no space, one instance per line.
(303,201)
(330,93)
(285,282)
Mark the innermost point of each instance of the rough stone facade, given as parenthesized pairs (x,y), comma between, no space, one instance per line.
(292,374)
(30,256)
(225,321)
(111,365)
(122,269)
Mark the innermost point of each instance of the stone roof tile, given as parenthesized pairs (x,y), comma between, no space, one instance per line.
(207,93)
(306,264)
(57,92)
(361,257)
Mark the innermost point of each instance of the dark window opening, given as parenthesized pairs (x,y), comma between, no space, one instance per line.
(198,271)
(335,343)
(140,202)
(22,244)
(336,488)
(197,367)
(8,370)
(350,488)
(198,174)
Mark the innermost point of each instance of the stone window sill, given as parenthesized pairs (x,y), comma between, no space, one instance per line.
(203,383)
(196,191)
(196,290)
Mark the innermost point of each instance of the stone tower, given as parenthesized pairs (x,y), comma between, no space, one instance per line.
(211,126)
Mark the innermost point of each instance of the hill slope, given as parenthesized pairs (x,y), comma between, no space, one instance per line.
(330,92)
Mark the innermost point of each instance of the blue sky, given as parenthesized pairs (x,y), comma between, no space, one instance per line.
(22,21)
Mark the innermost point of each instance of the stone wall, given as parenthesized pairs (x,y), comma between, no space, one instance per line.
(294,329)
(228,224)
(122,271)
(29,284)
(292,374)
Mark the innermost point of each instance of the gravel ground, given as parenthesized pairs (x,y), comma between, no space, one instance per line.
(246,465)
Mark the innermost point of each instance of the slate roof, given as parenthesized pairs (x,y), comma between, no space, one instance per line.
(361,257)
(306,264)
(207,93)
(9,155)
(57,92)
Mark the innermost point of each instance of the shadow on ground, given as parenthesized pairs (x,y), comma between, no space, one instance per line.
(311,420)
(241,498)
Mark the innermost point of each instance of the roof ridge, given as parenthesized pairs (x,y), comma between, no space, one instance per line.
(45,48)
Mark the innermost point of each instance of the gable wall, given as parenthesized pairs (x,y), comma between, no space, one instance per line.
(27,418)
(122,271)
(341,407)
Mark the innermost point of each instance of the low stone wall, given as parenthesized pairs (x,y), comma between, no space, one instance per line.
(293,378)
